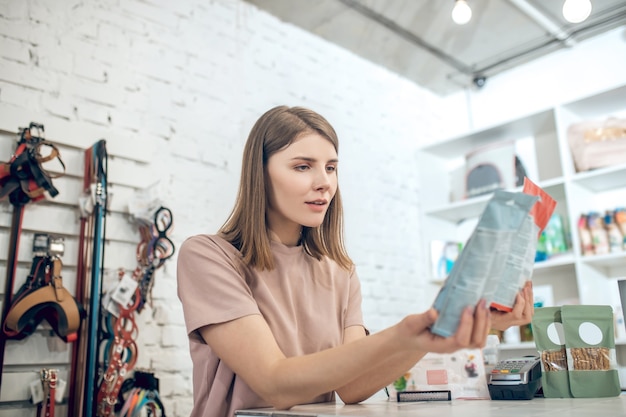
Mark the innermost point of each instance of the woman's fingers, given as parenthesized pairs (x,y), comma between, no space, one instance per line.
(474,326)
(521,305)
(482,324)
(529,311)
(524,307)
(472,331)
(463,335)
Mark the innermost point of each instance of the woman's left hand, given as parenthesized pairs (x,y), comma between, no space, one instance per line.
(522,313)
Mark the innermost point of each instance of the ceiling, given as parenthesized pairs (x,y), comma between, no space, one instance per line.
(418,39)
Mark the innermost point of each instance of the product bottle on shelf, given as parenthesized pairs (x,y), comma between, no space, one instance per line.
(620,220)
(600,240)
(586,243)
(542,250)
(614,235)
(555,236)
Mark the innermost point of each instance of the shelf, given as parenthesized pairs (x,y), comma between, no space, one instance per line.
(600,105)
(470,208)
(602,179)
(532,125)
(461,210)
(541,142)
(610,260)
(557,261)
(554,187)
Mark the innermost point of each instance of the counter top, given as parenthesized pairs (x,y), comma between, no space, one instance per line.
(537,407)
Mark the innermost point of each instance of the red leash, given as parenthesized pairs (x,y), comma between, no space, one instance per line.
(49,378)
(77,375)
(122,355)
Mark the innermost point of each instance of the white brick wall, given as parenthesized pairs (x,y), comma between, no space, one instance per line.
(180,84)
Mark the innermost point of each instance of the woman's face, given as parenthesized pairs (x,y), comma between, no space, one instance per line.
(302,182)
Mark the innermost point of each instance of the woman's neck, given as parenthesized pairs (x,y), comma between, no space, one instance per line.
(287,239)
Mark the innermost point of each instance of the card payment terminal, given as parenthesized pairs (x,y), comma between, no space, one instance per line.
(515,379)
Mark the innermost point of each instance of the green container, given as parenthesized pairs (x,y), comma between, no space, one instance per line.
(590,341)
(550,341)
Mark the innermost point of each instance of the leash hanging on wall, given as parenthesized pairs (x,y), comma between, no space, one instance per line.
(47,394)
(24,180)
(154,249)
(140,392)
(89,276)
(118,344)
(131,293)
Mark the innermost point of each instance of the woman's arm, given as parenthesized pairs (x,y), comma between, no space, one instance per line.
(522,313)
(380,373)
(248,347)
(363,388)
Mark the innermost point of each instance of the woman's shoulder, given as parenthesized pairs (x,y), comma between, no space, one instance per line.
(209,243)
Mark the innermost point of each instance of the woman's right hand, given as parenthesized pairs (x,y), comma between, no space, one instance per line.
(522,313)
(471,333)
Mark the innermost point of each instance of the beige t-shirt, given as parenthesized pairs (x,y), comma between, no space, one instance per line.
(306,303)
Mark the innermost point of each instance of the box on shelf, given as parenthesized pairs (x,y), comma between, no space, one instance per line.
(492,168)
(598,143)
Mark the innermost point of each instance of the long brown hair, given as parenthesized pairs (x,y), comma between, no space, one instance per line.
(246,227)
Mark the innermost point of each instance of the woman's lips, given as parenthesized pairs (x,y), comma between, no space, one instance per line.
(317,206)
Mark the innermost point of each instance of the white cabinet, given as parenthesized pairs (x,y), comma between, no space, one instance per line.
(541,141)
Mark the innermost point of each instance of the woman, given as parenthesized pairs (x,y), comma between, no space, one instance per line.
(272,302)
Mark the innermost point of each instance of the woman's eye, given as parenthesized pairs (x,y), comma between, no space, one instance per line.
(301,167)
(331,168)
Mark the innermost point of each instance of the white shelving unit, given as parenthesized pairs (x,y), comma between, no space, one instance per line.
(542,137)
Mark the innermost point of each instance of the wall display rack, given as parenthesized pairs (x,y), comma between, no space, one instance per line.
(130,171)
(541,142)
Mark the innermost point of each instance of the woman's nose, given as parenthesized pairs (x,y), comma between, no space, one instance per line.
(322,181)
